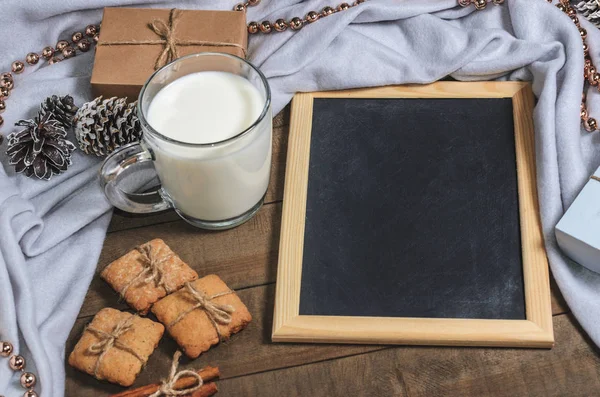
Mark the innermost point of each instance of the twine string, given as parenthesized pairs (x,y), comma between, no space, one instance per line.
(167,388)
(216,313)
(110,340)
(152,272)
(167,37)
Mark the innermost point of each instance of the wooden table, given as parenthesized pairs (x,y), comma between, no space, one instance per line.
(246,259)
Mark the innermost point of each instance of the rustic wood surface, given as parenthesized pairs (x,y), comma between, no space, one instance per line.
(246,259)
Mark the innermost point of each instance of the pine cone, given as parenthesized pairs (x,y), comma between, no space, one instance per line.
(63,109)
(41,149)
(101,126)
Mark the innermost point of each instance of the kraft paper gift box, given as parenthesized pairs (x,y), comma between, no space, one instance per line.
(133,40)
(578,232)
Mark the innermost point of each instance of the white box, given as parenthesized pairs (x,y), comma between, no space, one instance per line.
(578,232)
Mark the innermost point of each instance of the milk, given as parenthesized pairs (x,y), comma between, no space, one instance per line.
(211,182)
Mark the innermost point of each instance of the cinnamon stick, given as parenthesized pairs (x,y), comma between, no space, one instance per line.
(207,374)
(207,390)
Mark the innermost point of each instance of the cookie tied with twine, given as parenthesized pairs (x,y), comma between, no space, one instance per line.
(147,273)
(166,32)
(202,314)
(115,346)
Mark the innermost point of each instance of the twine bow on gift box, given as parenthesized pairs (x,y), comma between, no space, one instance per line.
(216,313)
(167,37)
(110,340)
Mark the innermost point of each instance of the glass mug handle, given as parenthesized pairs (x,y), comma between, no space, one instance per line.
(118,162)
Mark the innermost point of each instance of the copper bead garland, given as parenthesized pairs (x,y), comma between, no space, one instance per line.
(17,363)
(479,4)
(295,23)
(590,73)
(63,50)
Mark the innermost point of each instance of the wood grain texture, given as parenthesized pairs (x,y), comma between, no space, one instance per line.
(294,207)
(572,368)
(535,263)
(124,221)
(248,352)
(243,257)
(289,326)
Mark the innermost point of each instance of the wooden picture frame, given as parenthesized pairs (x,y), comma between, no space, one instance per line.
(535,331)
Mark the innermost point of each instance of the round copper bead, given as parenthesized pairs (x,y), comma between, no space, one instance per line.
(583,33)
(9,77)
(265,27)
(61,45)
(54,60)
(2,109)
(32,58)
(583,113)
(47,53)
(464,3)
(480,4)
(253,2)
(4,92)
(18,67)
(296,23)
(561,7)
(28,380)
(84,45)
(17,363)
(574,19)
(327,11)
(30,393)
(343,7)
(7,347)
(96,37)
(280,25)
(590,124)
(570,11)
(68,52)
(239,7)
(586,49)
(594,79)
(253,27)
(91,30)
(7,83)
(76,37)
(312,16)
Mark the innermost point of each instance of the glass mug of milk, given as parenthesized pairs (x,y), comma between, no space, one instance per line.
(207,127)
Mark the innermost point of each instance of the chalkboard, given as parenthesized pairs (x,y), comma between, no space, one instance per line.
(413,207)
(410,216)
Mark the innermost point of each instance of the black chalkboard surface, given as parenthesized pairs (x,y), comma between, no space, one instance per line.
(412,210)
(414,207)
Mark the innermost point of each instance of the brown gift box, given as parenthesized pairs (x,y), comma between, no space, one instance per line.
(122,69)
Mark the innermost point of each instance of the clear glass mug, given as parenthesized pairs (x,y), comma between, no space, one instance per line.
(216,185)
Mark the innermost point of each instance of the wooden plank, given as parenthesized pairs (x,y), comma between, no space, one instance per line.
(243,257)
(571,368)
(250,351)
(124,221)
